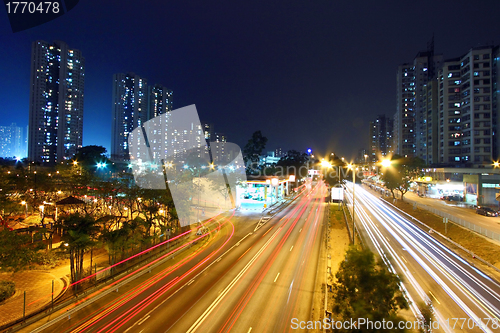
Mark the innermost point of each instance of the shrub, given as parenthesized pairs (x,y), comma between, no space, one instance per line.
(7,289)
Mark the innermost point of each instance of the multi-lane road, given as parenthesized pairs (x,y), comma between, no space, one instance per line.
(256,276)
(464,298)
(250,276)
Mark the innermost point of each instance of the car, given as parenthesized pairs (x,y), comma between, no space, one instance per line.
(486,211)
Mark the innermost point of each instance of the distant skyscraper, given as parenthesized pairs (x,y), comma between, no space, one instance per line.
(11,141)
(409,137)
(56,102)
(130,110)
(381,138)
(160,101)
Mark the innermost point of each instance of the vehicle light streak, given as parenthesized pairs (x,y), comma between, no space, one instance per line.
(438,262)
(263,272)
(135,292)
(406,234)
(243,272)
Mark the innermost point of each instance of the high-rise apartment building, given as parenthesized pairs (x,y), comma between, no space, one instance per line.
(381,138)
(456,110)
(479,139)
(410,138)
(56,102)
(159,102)
(130,110)
(404,118)
(12,143)
(425,67)
(449,115)
(430,103)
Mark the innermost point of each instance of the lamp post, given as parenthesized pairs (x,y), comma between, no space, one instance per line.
(42,208)
(24,203)
(353,198)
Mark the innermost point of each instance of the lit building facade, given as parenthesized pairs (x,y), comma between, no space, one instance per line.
(12,143)
(381,138)
(160,101)
(130,110)
(410,138)
(56,102)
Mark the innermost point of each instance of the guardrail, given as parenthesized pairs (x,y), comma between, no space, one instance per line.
(443,236)
(451,218)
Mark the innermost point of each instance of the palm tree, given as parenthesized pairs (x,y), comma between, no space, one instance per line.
(79,234)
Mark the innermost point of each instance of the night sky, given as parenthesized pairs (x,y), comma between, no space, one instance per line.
(305,73)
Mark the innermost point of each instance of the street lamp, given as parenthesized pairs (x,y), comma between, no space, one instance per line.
(350,166)
(42,208)
(386,163)
(24,203)
(325,164)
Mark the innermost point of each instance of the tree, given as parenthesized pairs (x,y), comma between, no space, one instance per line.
(16,251)
(295,163)
(253,149)
(402,170)
(368,290)
(88,156)
(334,175)
(392,179)
(427,312)
(79,233)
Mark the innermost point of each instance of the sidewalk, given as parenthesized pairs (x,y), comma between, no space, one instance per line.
(38,287)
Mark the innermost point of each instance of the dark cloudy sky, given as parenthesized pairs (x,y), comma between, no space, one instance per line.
(306,73)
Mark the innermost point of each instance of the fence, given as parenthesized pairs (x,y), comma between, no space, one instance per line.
(466,224)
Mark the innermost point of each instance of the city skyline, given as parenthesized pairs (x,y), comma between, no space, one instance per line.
(254,75)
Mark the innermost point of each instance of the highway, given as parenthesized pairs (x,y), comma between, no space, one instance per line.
(249,277)
(464,298)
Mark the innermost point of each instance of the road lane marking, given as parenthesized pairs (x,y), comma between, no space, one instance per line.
(291,248)
(190,282)
(143,320)
(218,259)
(244,253)
(404,259)
(300,230)
(219,298)
(249,330)
(430,292)
(184,285)
(276,278)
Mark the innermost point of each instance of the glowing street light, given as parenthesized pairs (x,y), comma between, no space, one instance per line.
(24,203)
(386,163)
(496,164)
(325,164)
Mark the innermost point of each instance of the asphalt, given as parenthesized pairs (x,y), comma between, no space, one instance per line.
(241,280)
(429,270)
